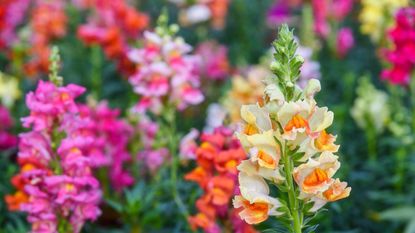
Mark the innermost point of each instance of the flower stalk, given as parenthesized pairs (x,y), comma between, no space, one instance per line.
(288,146)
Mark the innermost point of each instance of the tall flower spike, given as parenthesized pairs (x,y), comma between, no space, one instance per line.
(288,145)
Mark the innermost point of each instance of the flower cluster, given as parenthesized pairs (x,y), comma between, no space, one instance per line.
(111,26)
(7,140)
(215,63)
(112,136)
(150,152)
(217,157)
(166,74)
(376,15)
(12,13)
(287,142)
(55,184)
(48,22)
(203,10)
(402,56)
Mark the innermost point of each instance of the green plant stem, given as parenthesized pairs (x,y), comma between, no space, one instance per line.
(96,79)
(173,142)
(371,144)
(292,199)
(400,168)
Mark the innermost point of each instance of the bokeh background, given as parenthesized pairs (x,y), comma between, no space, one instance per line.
(347,43)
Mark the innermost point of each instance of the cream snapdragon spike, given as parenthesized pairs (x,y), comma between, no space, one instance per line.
(288,146)
(166,72)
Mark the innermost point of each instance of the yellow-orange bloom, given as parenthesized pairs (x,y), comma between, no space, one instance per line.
(315,175)
(254,200)
(336,191)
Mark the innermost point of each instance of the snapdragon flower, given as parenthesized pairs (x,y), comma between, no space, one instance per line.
(401,57)
(55,185)
(166,73)
(217,157)
(289,146)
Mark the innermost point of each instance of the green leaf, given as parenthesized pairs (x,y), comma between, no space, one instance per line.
(404,213)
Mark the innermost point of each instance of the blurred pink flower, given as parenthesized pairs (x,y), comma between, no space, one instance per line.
(279,13)
(154,158)
(215,62)
(188,145)
(345,41)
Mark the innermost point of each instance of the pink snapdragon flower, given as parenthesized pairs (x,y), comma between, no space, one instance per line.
(402,56)
(56,184)
(215,62)
(111,136)
(166,73)
(188,145)
(49,103)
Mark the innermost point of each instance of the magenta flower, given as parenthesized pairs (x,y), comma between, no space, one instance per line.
(166,74)
(345,41)
(402,57)
(111,136)
(279,13)
(56,160)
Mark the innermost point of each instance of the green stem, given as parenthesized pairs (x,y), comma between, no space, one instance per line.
(292,199)
(173,142)
(400,168)
(371,143)
(96,78)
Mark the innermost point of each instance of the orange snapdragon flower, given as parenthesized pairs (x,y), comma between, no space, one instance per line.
(217,157)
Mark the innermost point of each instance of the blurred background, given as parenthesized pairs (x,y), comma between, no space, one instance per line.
(361,50)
